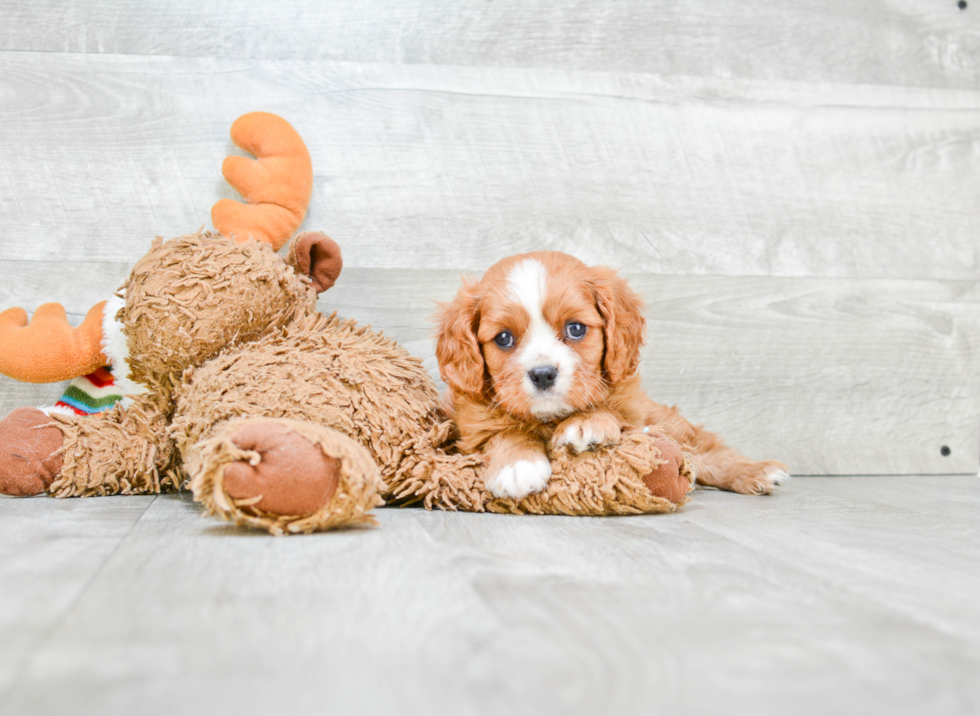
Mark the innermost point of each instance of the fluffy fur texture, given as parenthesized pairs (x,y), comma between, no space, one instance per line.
(542,354)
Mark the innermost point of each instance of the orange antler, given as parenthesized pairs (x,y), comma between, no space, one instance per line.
(49,349)
(276,184)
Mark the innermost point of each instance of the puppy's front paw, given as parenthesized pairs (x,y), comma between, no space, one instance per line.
(587,432)
(520,479)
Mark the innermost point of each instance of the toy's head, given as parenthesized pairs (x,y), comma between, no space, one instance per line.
(191,297)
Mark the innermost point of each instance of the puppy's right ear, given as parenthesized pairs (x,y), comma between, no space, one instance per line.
(457,347)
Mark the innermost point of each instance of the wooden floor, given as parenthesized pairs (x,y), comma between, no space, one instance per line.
(836,596)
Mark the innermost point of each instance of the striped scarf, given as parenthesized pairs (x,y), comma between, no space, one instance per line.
(90,394)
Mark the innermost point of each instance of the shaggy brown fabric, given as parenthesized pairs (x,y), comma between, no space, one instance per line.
(30,452)
(323,370)
(609,481)
(121,451)
(192,297)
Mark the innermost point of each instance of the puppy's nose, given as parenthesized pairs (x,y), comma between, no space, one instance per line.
(543,376)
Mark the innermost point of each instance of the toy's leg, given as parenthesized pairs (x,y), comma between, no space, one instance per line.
(118,451)
(643,473)
(714,463)
(285,476)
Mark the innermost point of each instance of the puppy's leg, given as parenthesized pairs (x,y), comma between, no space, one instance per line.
(714,463)
(587,431)
(516,465)
(728,469)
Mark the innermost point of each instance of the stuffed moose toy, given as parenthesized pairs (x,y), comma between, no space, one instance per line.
(274,415)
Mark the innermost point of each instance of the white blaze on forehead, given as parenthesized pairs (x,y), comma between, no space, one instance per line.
(528,282)
(541,345)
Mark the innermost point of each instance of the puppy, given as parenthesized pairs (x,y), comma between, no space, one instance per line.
(545,350)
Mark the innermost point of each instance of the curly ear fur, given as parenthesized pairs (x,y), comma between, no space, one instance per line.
(457,347)
(621,309)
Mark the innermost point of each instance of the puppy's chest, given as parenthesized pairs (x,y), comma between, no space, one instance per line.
(536,429)
(544,431)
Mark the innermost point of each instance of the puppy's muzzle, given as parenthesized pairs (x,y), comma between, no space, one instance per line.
(543,377)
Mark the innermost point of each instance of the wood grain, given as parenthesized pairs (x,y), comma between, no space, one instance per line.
(46,565)
(899,512)
(833,596)
(926,43)
(455,167)
(339,628)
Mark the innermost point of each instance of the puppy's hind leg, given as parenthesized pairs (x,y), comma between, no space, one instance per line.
(714,463)
(727,469)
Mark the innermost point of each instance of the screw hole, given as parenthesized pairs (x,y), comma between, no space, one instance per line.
(945,451)
(962,5)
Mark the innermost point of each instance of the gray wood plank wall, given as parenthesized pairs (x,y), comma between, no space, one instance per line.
(793,186)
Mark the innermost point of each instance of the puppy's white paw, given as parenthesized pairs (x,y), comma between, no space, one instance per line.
(777,477)
(588,434)
(520,479)
(765,482)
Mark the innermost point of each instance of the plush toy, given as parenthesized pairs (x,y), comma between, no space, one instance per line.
(275,415)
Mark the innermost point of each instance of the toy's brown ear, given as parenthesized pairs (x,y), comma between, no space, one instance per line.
(317,256)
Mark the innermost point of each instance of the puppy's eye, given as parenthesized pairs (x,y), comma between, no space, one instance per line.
(504,339)
(575,331)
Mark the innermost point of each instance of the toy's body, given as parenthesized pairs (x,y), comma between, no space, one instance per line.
(275,415)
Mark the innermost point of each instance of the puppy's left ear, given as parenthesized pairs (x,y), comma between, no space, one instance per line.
(621,309)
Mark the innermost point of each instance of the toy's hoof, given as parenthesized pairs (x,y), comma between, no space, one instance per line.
(668,480)
(290,475)
(29,452)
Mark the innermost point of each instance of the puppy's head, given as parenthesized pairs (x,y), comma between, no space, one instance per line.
(542,335)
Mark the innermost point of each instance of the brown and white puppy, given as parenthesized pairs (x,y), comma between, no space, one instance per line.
(546,349)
